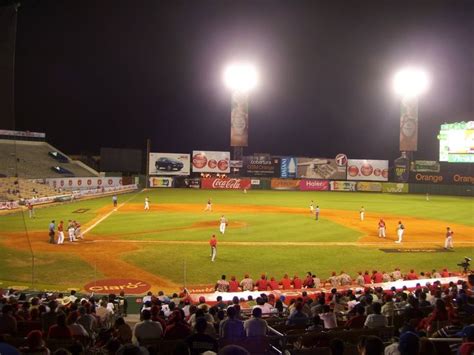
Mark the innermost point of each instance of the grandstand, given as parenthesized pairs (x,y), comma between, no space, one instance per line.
(38,160)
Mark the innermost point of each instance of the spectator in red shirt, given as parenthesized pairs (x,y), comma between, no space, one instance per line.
(177,328)
(412,275)
(308,281)
(445,273)
(262,284)
(367,278)
(358,320)
(377,277)
(60,330)
(297,283)
(285,282)
(233,285)
(273,284)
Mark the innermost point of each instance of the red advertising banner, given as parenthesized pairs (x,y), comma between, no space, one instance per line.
(230,184)
(314,185)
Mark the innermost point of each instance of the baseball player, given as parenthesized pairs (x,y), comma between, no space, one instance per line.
(316,213)
(213,244)
(381,228)
(61,232)
(448,243)
(70,230)
(362,213)
(147,204)
(223,224)
(77,231)
(400,231)
(31,211)
(114,200)
(311,207)
(208,205)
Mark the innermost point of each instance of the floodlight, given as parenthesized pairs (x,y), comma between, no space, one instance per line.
(410,82)
(240,77)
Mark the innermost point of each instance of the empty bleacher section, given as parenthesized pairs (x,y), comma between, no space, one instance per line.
(38,160)
(13,189)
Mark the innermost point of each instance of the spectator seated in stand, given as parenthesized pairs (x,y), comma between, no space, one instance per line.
(256,326)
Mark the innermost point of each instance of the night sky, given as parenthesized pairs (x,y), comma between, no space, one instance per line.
(106,73)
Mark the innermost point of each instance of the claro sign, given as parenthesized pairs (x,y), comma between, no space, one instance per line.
(225,184)
(130,286)
(445,179)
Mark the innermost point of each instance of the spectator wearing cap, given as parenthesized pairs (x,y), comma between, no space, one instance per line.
(231,328)
(297,283)
(308,281)
(147,329)
(256,326)
(273,284)
(262,283)
(220,304)
(412,275)
(247,283)
(200,342)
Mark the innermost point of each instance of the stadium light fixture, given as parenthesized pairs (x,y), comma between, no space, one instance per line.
(411,82)
(241,77)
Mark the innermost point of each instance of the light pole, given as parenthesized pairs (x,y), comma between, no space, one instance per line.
(240,78)
(409,83)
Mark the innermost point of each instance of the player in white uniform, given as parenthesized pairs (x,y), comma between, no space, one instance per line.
(147,203)
(362,213)
(311,207)
(223,224)
(71,232)
(77,231)
(448,243)
(208,205)
(400,231)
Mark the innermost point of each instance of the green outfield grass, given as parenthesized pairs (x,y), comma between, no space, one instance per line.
(169,260)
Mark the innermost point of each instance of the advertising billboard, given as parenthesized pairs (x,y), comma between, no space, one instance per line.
(78,183)
(161,182)
(392,187)
(456,142)
(425,166)
(283,184)
(409,125)
(239,120)
(288,167)
(225,184)
(342,185)
(443,178)
(314,185)
(366,186)
(254,166)
(369,170)
(320,168)
(211,162)
(169,164)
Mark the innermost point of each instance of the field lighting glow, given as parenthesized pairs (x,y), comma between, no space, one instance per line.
(410,82)
(240,77)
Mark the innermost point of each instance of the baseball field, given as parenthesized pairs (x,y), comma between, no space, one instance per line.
(270,232)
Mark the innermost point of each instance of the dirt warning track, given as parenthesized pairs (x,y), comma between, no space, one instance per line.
(104,252)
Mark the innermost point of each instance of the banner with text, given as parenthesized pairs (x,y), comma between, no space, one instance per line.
(169,164)
(283,184)
(443,178)
(161,182)
(425,166)
(211,162)
(225,184)
(83,182)
(342,185)
(314,185)
(372,170)
(288,167)
(395,188)
(261,167)
(409,125)
(369,186)
(239,119)
(320,168)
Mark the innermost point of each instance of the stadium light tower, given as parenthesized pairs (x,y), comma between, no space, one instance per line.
(240,78)
(409,83)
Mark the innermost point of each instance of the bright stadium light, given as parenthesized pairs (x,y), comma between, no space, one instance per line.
(241,77)
(410,82)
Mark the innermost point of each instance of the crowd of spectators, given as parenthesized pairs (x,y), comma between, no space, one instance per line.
(415,316)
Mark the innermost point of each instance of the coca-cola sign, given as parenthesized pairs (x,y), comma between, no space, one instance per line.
(230,184)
